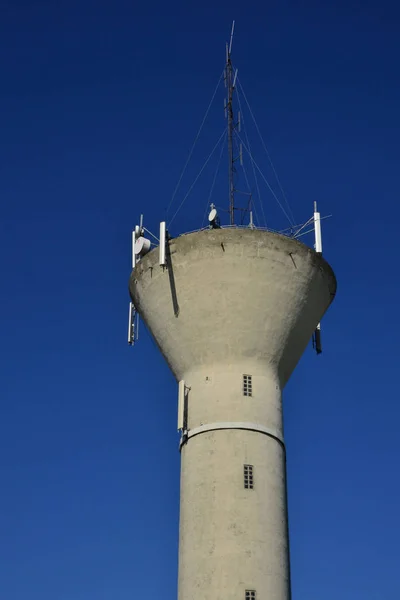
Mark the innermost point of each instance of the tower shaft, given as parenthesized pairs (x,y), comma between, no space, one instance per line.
(233,538)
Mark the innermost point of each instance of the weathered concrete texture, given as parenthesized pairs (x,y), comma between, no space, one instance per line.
(231,538)
(233,302)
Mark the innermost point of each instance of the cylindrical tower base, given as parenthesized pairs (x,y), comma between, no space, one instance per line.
(233,539)
(233,518)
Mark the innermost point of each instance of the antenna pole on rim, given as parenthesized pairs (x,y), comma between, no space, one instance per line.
(229,108)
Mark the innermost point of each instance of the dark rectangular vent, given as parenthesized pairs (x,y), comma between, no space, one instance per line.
(248,477)
(247,385)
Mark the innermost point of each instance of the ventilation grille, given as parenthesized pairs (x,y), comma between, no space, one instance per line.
(248,478)
(247,385)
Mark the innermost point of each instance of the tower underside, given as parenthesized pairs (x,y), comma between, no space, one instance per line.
(232,314)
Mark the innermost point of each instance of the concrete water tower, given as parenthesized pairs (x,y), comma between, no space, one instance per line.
(232,310)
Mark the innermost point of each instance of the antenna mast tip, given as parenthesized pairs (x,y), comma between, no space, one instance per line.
(231,40)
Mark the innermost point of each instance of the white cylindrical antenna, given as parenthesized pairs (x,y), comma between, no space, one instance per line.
(251,224)
(234,79)
(133,249)
(163,241)
(131,332)
(141,224)
(317,229)
(181,404)
(231,40)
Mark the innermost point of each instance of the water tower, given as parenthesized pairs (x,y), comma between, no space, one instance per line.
(231,309)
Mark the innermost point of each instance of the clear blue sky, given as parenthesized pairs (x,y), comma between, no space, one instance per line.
(99,104)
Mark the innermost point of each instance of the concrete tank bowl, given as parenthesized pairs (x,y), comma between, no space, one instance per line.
(233,294)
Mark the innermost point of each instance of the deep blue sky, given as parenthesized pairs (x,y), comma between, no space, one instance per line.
(99,104)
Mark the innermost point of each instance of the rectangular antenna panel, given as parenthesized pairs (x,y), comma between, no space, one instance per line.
(318,343)
(163,240)
(131,339)
(133,249)
(181,403)
(318,235)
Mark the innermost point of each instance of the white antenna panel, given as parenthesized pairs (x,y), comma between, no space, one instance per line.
(131,325)
(142,246)
(163,241)
(133,250)
(317,228)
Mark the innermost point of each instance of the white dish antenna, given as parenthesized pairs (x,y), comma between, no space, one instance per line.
(142,246)
(213,218)
(213,215)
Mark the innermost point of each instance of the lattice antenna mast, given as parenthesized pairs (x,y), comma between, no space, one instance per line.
(230,80)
